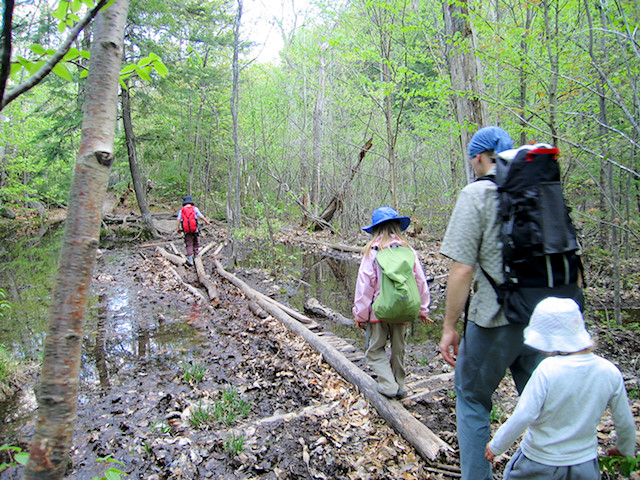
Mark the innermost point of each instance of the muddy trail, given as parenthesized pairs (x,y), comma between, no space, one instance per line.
(177,389)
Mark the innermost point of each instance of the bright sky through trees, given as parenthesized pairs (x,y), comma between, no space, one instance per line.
(260,21)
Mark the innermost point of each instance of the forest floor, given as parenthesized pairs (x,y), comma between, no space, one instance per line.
(267,406)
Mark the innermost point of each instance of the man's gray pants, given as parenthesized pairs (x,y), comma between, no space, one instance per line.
(484,356)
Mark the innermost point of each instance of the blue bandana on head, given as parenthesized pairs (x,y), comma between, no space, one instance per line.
(489,138)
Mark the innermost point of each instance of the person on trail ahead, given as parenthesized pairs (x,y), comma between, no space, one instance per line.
(386,229)
(188,223)
(563,402)
(490,344)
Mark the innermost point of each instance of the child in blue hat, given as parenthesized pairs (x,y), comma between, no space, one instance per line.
(386,229)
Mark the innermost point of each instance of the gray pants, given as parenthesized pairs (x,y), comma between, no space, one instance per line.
(390,371)
(484,356)
(520,467)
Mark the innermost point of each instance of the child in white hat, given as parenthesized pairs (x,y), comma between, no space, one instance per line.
(563,402)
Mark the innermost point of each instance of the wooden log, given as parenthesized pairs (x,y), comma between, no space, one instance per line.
(206,249)
(175,259)
(314,306)
(205,281)
(426,443)
(289,311)
(191,288)
(334,246)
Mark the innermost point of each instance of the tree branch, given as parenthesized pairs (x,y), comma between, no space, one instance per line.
(5,69)
(45,70)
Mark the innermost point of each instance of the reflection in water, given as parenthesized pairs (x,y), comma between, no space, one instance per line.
(101,357)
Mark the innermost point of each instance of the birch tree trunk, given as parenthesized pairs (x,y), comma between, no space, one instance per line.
(465,72)
(136,177)
(58,389)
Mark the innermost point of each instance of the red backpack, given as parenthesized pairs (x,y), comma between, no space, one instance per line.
(189,222)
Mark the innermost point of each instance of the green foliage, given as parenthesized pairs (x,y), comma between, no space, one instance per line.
(111,473)
(624,466)
(16,456)
(229,407)
(234,444)
(4,303)
(8,366)
(193,372)
(161,427)
(201,415)
(497,414)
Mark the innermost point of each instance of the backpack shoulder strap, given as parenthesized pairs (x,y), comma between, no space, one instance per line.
(491,178)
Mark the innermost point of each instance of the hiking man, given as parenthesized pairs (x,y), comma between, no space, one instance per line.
(490,343)
(188,223)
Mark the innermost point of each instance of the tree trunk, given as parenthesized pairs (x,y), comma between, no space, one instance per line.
(524,55)
(138,184)
(233,195)
(318,120)
(553,53)
(606,172)
(388,119)
(466,74)
(58,389)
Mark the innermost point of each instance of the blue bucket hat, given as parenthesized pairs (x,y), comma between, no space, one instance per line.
(187,200)
(384,214)
(489,138)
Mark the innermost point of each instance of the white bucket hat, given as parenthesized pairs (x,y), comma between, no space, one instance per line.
(557,325)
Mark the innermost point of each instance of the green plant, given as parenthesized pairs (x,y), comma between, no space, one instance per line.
(497,413)
(111,473)
(193,372)
(423,360)
(234,444)
(8,366)
(623,465)
(16,456)
(4,303)
(451,394)
(229,406)
(161,426)
(201,415)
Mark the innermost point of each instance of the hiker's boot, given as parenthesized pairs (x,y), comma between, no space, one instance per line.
(190,260)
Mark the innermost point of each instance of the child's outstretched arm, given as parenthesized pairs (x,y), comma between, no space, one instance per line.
(624,423)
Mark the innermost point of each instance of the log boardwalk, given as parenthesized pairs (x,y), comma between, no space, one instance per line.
(349,361)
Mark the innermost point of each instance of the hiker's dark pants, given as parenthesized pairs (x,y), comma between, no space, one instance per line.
(485,355)
(192,243)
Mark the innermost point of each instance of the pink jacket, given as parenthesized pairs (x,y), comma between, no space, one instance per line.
(368,287)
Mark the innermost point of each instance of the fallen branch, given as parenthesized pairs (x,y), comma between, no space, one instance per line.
(426,443)
(314,306)
(334,246)
(206,249)
(191,288)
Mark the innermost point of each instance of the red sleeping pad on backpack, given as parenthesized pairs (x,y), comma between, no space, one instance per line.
(189,222)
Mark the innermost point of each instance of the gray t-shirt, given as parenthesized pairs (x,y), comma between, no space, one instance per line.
(472,238)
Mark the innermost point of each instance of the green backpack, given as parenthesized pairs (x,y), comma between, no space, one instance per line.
(399,298)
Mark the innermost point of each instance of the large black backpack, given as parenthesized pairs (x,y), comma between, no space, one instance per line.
(539,242)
